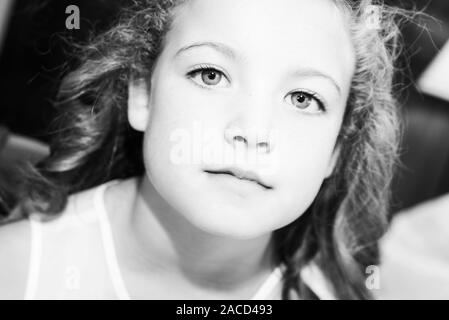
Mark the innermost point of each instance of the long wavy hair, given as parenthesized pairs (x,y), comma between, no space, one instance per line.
(94,143)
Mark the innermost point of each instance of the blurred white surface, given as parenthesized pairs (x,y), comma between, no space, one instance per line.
(415,253)
(435,79)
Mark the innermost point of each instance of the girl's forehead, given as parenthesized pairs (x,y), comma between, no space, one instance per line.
(286,31)
(268,17)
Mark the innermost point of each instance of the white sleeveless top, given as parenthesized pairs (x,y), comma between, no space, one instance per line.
(65,264)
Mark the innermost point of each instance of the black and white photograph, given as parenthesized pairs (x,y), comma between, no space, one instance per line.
(224,150)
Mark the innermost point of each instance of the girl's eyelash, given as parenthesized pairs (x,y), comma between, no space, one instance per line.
(203,67)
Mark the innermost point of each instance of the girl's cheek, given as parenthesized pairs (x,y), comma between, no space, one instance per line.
(307,148)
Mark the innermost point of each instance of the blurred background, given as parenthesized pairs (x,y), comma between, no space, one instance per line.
(34,56)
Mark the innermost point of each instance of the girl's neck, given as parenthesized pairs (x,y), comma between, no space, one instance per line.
(157,237)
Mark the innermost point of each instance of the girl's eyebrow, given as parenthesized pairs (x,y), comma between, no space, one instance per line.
(220,47)
(314,73)
(230,53)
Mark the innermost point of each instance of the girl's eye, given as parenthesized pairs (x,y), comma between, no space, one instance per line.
(207,76)
(306,101)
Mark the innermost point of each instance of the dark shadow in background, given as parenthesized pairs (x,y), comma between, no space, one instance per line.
(34,58)
(424,173)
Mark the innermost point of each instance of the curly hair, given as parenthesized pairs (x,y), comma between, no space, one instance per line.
(94,143)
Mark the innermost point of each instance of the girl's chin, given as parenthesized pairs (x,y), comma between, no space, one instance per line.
(234,225)
(236,233)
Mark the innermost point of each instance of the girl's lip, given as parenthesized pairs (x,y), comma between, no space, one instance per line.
(241,174)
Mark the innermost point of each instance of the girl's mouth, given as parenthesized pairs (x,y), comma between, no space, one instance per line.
(242,175)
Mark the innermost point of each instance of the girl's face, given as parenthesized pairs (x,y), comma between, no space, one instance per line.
(262,86)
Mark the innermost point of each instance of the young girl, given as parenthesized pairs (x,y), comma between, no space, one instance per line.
(293,101)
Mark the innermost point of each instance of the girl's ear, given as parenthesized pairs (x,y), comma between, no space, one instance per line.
(138,104)
(333,161)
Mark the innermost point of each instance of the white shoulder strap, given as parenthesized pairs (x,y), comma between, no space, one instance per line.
(108,242)
(314,278)
(35,258)
(268,286)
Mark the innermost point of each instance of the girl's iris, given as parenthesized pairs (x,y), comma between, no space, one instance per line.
(210,77)
(301,100)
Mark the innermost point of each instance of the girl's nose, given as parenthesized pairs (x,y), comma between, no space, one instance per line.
(249,138)
(251,127)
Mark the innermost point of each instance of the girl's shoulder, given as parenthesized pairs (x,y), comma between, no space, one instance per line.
(15,240)
(422,229)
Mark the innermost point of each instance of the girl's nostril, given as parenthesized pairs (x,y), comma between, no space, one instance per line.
(239,139)
(263,146)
